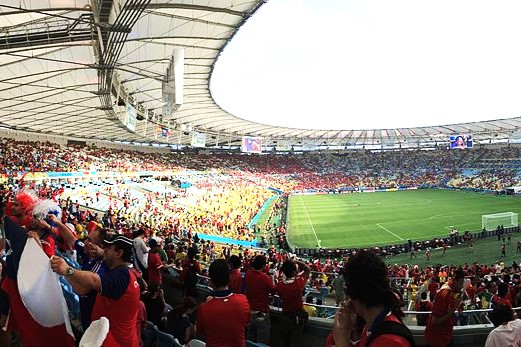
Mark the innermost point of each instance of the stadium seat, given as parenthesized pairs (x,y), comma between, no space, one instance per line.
(163,339)
(324,292)
(149,336)
(155,337)
(196,343)
(255,344)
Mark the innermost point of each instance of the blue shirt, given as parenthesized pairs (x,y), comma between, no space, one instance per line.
(92,265)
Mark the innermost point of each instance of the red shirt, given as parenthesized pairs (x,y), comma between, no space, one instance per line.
(497,300)
(258,287)
(235,284)
(31,333)
(48,245)
(427,306)
(290,293)
(223,318)
(119,302)
(440,335)
(384,340)
(154,268)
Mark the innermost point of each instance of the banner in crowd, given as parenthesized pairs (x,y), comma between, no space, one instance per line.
(284,145)
(198,139)
(515,137)
(309,146)
(251,144)
(130,119)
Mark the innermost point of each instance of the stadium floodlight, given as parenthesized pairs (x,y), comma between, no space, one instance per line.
(492,221)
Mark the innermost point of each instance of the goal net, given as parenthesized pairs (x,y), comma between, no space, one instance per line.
(491,221)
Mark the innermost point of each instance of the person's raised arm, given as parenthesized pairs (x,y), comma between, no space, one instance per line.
(303,267)
(81,281)
(66,233)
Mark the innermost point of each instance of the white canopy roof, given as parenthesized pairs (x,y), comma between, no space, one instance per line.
(64,64)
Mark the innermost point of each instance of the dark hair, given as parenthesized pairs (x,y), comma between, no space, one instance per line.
(458,274)
(153,287)
(367,280)
(219,273)
(423,295)
(501,314)
(137,233)
(192,252)
(259,262)
(288,268)
(502,289)
(235,262)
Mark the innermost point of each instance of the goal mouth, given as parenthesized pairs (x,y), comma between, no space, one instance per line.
(504,219)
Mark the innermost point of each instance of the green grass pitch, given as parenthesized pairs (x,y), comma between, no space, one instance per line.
(370,219)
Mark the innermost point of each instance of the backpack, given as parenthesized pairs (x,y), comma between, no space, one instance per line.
(394,328)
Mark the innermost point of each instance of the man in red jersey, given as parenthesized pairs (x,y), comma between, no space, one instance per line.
(235,275)
(440,326)
(223,318)
(295,275)
(259,286)
(372,314)
(118,290)
(155,265)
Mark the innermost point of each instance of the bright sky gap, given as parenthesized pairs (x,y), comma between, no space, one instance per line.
(336,64)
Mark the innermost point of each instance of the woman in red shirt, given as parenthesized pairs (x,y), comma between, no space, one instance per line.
(372,307)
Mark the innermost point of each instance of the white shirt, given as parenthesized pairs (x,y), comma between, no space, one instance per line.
(141,251)
(507,335)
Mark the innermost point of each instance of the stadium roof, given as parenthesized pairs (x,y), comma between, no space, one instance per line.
(69,67)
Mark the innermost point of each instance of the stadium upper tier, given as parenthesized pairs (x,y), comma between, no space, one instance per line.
(493,169)
(79,68)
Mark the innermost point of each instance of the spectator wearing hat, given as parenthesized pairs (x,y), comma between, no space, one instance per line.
(118,290)
(223,303)
(259,287)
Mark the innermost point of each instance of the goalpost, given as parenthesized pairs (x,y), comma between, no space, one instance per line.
(491,221)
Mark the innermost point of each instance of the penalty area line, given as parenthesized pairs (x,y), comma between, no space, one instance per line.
(389,231)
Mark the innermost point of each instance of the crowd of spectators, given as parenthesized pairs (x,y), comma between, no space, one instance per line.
(482,168)
(229,190)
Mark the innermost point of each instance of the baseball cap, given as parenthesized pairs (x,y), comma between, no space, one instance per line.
(120,240)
